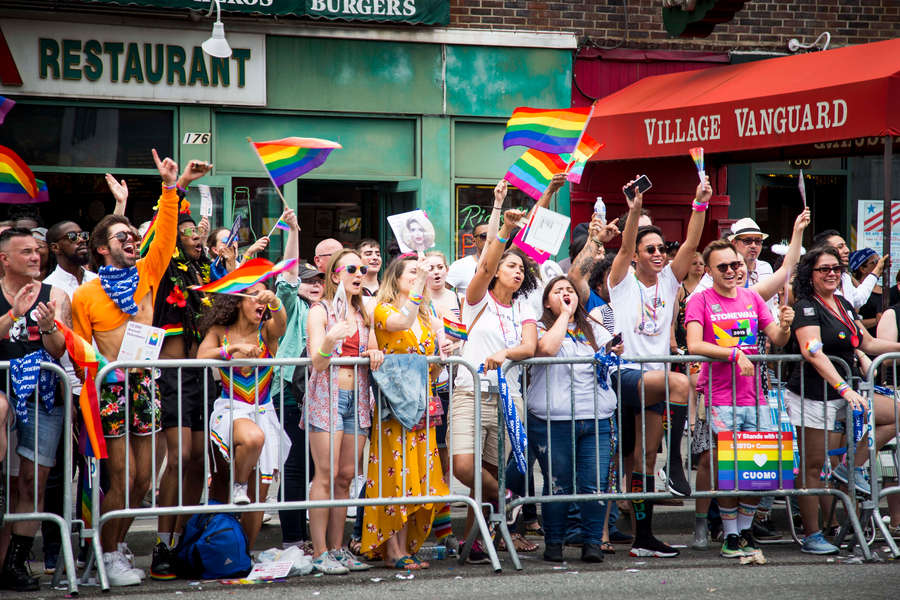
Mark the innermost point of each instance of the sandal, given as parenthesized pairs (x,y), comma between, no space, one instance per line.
(521,544)
(534,528)
(607,548)
(355,546)
(423,564)
(405,563)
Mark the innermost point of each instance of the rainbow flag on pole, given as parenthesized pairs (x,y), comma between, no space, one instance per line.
(17,182)
(249,273)
(586,148)
(289,158)
(456,330)
(85,356)
(534,170)
(5,106)
(556,130)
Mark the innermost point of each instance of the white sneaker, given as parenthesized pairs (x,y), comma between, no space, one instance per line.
(239,494)
(117,570)
(346,558)
(324,563)
(129,557)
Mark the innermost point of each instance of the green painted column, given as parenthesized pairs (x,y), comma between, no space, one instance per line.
(436,192)
(194,119)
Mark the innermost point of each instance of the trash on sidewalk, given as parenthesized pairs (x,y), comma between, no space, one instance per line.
(300,563)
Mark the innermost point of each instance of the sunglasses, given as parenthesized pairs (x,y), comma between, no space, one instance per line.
(749,241)
(123,237)
(481,236)
(190,231)
(732,266)
(74,236)
(352,269)
(830,269)
(661,249)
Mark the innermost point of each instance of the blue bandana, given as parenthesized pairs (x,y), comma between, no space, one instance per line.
(518,439)
(120,285)
(27,375)
(602,363)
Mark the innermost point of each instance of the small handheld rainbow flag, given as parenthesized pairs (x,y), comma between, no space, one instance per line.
(5,106)
(555,130)
(587,147)
(17,182)
(85,356)
(534,170)
(455,330)
(279,225)
(249,273)
(289,158)
(697,157)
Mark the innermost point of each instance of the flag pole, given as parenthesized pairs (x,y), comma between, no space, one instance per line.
(268,174)
(580,136)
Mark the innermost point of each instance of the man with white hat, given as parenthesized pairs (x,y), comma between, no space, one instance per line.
(748,240)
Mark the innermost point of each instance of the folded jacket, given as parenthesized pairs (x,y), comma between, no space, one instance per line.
(403,382)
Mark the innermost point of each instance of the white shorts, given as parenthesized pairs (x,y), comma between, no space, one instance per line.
(814,414)
(273,454)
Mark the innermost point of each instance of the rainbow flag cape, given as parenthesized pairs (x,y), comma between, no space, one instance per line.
(586,148)
(456,330)
(5,106)
(85,356)
(249,273)
(291,157)
(555,130)
(534,170)
(17,182)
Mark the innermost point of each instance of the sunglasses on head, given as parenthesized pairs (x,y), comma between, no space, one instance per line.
(123,236)
(352,269)
(732,266)
(74,236)
(661,249)
(829,269)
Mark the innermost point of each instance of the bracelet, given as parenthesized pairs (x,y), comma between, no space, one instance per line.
(700,206)
(498,207)
(49,331)
(734,352)
(502,240)
(842,388)
(180,189)
(224,353)
(13,316)
(415,299)
(276,308)
(323,355)
(169,187)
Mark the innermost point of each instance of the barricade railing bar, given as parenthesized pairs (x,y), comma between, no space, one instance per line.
(762,361)
(65,520)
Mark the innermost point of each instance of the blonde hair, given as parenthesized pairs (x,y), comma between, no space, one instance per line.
(438,253)
(331,286)
(389,289)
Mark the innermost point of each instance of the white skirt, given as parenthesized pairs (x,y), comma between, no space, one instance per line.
(277,445)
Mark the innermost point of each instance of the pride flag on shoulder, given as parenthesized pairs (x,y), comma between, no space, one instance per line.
(556,131)
(289,158)
(534,170)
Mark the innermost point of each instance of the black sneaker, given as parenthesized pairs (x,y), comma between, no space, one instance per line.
(553,553)
(676,482)
(652,547)
(731,548)
(716,533)
(162,567)
(748,544)
(477,556)
(763,529)
(592,553)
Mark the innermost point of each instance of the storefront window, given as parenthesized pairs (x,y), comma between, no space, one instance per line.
(68,136)
(257,201)
(473,205)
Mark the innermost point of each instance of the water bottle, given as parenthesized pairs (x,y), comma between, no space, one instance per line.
(432,552)
(600,209)
(858,424)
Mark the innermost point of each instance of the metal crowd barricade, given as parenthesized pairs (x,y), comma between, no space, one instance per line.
(63,521)
(800,488)
(277,395)
(887,364)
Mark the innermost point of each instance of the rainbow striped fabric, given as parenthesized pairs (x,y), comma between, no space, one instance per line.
(291,157)
(249,273)
(534,170)
(85,356)
(456,330)
(17,182)
(282,225)
(587,147)
(5,106)
(555,130)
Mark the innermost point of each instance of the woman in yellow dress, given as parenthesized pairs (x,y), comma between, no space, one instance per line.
(403,325)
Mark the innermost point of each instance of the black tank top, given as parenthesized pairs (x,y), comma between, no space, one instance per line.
(24,336)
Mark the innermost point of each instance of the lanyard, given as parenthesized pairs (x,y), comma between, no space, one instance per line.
(843,317)
(512,307)
(643,328)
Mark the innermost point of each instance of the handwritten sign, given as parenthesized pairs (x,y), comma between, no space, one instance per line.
(547,230)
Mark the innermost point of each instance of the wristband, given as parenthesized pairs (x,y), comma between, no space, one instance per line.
(180,189)
(733,354)
(502,240)
(498,207)
(50,331)
(700,206)
(323,355)
(13,316)
(224,353)
(842,388)
(275,308)
(169,187)
(415,299)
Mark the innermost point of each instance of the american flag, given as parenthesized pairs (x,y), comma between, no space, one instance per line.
(874,217)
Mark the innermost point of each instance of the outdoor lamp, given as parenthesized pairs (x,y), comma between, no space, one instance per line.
(217,45)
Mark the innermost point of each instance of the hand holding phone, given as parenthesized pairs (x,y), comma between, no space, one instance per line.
(642,183)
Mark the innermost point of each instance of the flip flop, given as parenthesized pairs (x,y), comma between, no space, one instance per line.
(534,529)
(405,563)
(607,548)
(423,564)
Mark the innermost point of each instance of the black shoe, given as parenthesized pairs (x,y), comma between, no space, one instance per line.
(16,575)
(731,548)
(554,553)
(748,542)
(477,556)
(764,530)
(618,537)
(652,547)
(162,567)
(575,540)
(592,553)
(677,483)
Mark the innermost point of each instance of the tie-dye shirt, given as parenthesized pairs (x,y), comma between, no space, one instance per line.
(729,323)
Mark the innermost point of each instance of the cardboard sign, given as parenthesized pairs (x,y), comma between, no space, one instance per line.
(757,464)
(413,231)
(141,342)
(547,230)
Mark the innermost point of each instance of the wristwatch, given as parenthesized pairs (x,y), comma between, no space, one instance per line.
(53,329)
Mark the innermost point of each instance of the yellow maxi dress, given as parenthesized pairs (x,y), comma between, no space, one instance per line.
(423,462)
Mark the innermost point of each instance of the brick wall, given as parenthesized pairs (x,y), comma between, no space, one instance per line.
(638,23)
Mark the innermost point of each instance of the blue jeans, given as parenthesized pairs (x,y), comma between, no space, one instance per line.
(588,463)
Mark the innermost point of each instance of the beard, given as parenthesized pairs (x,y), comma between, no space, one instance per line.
(79,258)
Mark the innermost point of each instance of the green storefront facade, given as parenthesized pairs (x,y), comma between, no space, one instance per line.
(420,114)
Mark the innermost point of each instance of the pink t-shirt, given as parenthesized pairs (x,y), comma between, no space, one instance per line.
(729,323)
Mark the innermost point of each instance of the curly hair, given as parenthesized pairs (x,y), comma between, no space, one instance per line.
(582,320)
(225,311)
(803,286)
(530,277)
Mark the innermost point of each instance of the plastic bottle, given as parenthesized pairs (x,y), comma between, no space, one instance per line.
(432,552)
(600,209)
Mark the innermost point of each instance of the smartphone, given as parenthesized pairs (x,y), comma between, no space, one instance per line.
(199,166)
(643,184)
(617,339)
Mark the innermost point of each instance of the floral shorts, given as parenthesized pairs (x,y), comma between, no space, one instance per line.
(143,408)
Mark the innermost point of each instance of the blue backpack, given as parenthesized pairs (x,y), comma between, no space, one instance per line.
(213,546)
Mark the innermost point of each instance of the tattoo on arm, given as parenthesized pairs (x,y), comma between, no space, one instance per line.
(585,266)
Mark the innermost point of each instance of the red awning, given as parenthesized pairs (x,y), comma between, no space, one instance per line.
(851,92)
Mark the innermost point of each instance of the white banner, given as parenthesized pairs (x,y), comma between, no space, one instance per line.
(77,60)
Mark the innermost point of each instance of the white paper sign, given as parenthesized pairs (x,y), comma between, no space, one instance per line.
(869,231)
(278,569)
(547,230)
(141,342)
(205,201)
(413,231)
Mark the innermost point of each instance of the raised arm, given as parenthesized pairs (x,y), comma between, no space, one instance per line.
(682,261)
(490,257)
(119,191)
(404,319)
(770,286)
(593,251)
(291,245)
(499,197)
(619,268)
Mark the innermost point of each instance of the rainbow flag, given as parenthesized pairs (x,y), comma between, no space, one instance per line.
(85,356)
(282,225)
(5,106)
(456,330)
(534,170)
(586,148)
(249,273)
(555,130)
(291,157)
(17,182)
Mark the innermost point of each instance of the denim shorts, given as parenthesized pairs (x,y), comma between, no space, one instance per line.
(348,416)
(742,418)
(50,427)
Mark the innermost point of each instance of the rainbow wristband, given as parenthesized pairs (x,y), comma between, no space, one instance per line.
(733,354)
(700,206)
(502,240)
(415,299)
(224,354)
(169,187)
(323,355)
(842,388)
